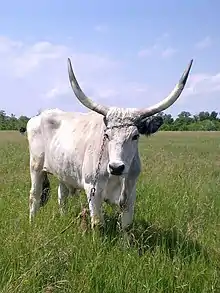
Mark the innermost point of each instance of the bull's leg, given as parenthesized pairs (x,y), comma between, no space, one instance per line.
(63,193)
(128,210)
(95,207)
(35,192)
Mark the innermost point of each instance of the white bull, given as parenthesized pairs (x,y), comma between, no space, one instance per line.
(70,146)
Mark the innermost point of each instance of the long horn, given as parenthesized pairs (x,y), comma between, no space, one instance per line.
(168,101)
(80,94)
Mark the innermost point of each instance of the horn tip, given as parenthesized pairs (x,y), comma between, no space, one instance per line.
(185,75)
(69,63)
(70,69)
(190,63)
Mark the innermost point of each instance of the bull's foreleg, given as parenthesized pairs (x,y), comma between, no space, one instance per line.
(95,207)
(63,193)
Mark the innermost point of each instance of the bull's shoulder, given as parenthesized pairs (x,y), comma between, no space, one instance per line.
(35,121)
(52,118)
(33,124)
(33,128)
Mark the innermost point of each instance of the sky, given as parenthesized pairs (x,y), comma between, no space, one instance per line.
(124,53)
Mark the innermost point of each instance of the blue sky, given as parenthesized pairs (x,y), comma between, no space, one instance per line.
(127,53)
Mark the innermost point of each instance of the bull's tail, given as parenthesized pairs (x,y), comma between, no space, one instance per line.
(45,195)
(22,130)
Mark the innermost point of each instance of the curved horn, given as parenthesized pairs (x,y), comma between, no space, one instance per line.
(168,101)
(81,96)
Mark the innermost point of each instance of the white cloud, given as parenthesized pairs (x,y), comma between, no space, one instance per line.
(148,51)
(57,91)
(158,51)
(168,52)
(201,94)
(7,45)
(159,48)
(163,37)
(21,59)
(34,76)
(202,84)
(145,52)
(205,43)
(101,28)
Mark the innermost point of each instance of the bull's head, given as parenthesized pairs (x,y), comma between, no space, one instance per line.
(124,125)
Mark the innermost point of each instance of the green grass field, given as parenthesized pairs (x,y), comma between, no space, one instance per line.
(174,245)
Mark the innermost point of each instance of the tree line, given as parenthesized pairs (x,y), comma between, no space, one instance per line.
(185,121)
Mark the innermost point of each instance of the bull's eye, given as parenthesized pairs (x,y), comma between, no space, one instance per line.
(135,137)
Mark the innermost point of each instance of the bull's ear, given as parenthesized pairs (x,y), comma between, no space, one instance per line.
(150,125)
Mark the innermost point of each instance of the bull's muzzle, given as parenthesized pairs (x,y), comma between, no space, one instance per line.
(116,168)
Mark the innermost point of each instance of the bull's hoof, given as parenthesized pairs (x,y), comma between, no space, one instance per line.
(96,222)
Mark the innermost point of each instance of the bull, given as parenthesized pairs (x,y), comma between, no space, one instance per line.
(95,151)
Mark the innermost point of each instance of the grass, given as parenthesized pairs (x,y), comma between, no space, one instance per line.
(174,245)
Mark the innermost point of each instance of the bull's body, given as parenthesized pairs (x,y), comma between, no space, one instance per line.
(69,146)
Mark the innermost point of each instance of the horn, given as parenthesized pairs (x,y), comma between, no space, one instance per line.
(170,99)
(80,94)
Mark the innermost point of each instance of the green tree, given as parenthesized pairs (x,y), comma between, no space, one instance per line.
(185,121)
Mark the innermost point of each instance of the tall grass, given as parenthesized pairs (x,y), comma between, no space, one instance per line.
(174,244)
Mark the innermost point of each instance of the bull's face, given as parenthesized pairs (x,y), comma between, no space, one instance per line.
(122,135)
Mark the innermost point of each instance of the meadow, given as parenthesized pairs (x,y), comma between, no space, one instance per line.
(174,244)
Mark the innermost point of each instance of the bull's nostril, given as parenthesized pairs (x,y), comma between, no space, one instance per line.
(121,168)
(116,169)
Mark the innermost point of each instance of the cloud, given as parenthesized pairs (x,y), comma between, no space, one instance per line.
(37,73)
(158,51)
(168,52)
(201,94)
(148,51)
(163,37)
(57,91)
(203,84)
(101,28)
(205,43)
(34,76)
(145,52)
(159,48)
(22,60)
